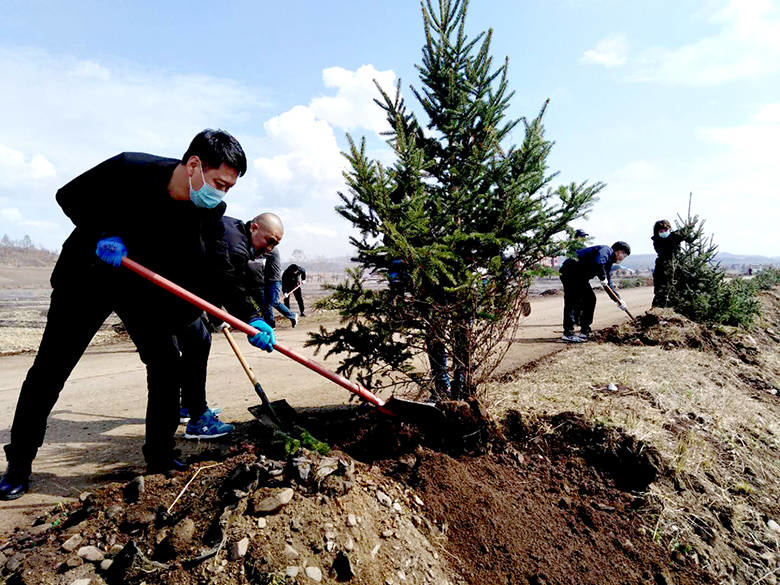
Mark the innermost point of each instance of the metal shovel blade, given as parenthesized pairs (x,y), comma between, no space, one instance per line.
(421,413)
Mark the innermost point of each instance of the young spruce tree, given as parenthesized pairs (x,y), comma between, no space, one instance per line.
(701,290)
(455,230)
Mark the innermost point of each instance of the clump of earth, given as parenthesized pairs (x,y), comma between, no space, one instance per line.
(480,501)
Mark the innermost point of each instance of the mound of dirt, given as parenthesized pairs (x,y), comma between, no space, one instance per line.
(665,328)
(548,502)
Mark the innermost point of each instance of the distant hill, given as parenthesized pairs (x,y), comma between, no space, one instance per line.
(12,254)
(24,253)
(647,261)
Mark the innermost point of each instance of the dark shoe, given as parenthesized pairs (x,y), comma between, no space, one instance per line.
(167,467)
(14,485)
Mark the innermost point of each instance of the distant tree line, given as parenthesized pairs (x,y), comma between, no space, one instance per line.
(25,242)
(24,252)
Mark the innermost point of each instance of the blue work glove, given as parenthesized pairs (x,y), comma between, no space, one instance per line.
(265,338)
(111,250)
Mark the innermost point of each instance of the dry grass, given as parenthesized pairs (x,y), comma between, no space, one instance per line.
(718,435)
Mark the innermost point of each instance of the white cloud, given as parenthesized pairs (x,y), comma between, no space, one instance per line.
(303,175)
(610,52)
(307,165)
(16,168)
(353,106)
(747,46)
(770,113)
(11,214)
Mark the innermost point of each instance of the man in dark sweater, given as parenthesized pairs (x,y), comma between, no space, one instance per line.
(578,296)
(239,247)
(292,280)
(164,212)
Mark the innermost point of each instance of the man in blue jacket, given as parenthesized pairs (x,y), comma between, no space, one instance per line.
(578,296)
(164,213)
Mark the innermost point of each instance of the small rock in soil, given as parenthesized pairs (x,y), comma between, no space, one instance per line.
(314,573)
(272,504)
(91,553)
(14,562)
(182,535)
(72,543)
(133,490)
(290,552)
(239,549)
(138,518)
(383,498)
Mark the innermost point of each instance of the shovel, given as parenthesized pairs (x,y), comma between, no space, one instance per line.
(417,412)
(616,297)
(288,293)
(266,404)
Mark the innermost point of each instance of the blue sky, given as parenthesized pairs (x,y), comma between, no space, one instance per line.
(657,99)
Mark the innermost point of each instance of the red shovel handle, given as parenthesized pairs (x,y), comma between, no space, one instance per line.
(163,282)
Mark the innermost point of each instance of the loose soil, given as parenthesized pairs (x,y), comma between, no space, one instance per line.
(516,506)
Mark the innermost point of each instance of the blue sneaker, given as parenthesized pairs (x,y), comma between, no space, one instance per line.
(208,426)
(184,414)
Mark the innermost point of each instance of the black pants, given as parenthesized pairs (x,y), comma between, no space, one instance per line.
(298,297)
(578,298)
(194,342)
(663,281)
(76,312)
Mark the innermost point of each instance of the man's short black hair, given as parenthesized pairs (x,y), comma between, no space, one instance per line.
(621,246)
(214,147)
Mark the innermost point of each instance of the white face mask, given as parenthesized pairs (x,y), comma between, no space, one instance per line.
(663,234)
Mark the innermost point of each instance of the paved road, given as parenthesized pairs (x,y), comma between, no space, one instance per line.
(96,429)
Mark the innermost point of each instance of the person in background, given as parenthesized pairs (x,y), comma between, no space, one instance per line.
(667,245)
(292,281)
(273,289)
(578,296)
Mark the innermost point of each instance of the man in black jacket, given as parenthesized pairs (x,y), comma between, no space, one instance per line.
(578,296)
(164,212)
(239,245)
(292,280)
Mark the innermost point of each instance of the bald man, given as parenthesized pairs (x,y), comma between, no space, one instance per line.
(239,243)
(234,284)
